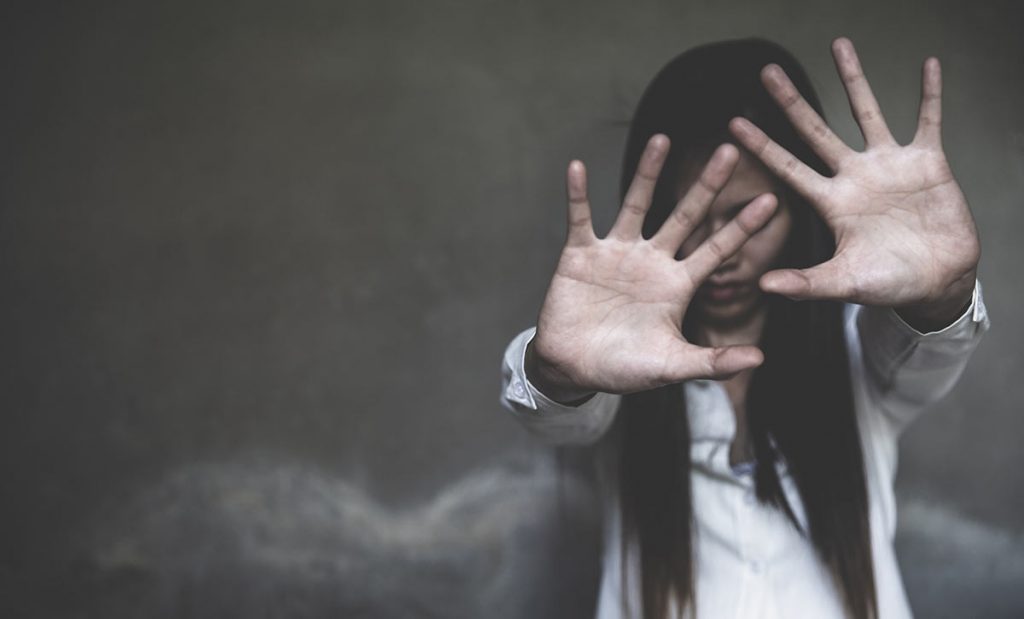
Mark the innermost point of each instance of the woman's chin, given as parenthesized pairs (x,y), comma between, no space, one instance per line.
(732,313)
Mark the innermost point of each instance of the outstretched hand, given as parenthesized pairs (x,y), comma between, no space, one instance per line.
(612,317)
(905,237)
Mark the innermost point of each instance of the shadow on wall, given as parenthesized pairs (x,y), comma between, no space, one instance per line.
(266,539)
(278,539)
(957,567)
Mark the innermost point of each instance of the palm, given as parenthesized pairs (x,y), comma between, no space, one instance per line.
(904,232)
(612,315)
(901,225)
(618,306)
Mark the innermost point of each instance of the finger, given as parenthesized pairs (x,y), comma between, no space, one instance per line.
(581,230)
(808,123)
(862,100)
(828,280)
(727,241)
(780,161)
(929,122)
(693,206)
(630,221)
(688,362)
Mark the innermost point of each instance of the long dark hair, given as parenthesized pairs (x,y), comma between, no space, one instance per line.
(800,403)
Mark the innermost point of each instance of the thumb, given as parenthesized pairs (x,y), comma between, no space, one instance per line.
(825,281)
(713,363)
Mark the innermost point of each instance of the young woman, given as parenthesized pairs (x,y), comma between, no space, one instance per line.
(769,311)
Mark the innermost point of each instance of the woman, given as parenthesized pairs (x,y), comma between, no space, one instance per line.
(769,311)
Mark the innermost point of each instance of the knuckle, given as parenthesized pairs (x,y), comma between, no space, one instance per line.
(646,175)
(714,245)
(745,226)
(790,166)
(761,144)
(634,208)
(708,183)
(711,361)
(788,97)
(683,218)
(866,115)
(852,72)
(578,221)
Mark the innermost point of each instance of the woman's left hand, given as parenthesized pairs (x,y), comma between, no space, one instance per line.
(905,237)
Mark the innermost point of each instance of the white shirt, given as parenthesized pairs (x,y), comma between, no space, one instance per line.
(750,561)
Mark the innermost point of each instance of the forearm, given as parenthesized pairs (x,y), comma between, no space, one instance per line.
(908,369)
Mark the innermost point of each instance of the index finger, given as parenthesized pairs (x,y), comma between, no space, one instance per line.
(808,123)
(694,205)
(780,161)
(727,241)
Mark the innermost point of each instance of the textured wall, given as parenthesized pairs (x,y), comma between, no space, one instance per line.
(259,261)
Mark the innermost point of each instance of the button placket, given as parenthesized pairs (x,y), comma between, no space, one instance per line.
(751,550)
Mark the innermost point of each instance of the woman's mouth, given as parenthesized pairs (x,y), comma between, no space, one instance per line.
(723,293)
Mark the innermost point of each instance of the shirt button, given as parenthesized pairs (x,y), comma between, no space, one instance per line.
(518,389)
(750,498)
(756,567)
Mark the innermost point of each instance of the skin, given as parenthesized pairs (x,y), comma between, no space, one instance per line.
(905,238)
(612,315)
(905,234)
(728,301)
(730,304)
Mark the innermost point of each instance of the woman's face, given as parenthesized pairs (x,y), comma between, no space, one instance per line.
(731,295)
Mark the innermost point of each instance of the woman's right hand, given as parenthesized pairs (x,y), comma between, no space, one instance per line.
(612,317)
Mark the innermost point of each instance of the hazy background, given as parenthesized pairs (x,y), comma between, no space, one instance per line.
(259,262)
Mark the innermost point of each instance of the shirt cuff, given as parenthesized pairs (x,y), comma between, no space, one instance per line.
(890,341)
(974,314)
(520,390)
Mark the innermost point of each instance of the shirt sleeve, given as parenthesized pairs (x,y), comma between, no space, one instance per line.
(907,370)
(550,421)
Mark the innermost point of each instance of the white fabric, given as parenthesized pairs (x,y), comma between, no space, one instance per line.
(751,563)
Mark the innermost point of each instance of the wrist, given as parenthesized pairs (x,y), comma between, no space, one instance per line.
(938,314)
(551,383)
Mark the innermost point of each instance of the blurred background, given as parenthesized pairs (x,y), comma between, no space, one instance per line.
(259,261)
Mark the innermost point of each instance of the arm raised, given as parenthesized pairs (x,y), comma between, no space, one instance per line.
(612,317)
(905,236)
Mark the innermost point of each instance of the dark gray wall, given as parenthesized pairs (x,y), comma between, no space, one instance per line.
(259,261)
